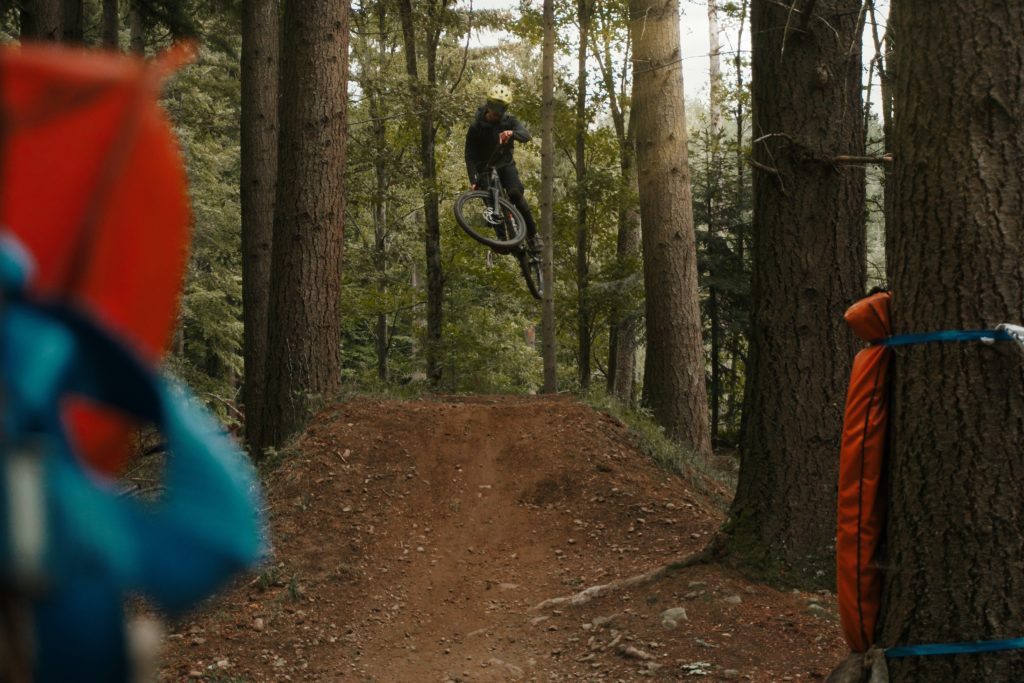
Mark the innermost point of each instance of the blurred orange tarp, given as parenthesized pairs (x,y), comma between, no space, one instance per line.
(861,505)
(93,184)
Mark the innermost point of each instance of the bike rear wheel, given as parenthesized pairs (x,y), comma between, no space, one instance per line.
(502,231)
(533,272)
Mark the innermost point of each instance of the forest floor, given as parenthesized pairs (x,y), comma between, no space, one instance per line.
(414,540)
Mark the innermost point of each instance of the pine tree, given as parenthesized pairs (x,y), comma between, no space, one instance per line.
(808,266)
(259,130)
(304,354)
(674,369)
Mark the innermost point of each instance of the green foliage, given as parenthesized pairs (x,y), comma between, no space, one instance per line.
(490,323)
(204,103)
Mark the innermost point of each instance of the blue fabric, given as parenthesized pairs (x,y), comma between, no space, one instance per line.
(955,648)
(99,545)
(944,336)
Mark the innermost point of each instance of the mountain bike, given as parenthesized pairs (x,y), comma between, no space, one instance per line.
(490,217)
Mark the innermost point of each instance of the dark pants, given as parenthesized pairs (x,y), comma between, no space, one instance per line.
(509,176)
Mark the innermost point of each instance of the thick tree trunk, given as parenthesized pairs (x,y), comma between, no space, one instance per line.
(547,195)
(808,266)
(260,48)
(674,369)
(41,20)
(304,359)
(111,24)
(956,471)
(582,198)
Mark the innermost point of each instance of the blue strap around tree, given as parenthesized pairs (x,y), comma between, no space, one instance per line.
(965,648)
(971,647)
(946,336)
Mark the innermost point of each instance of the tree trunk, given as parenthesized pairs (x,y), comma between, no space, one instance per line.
(547,195)
(956,473)
(137,29)
(884,46)
(582,232)
(379,201)
(674,370)
(260,48)
(808,266)
(624,323)
(111,25)
(41,20)
(422,94)
(304,354)
(72,24)
(715,139)
(736,395)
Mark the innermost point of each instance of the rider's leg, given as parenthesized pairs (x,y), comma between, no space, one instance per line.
(514,186)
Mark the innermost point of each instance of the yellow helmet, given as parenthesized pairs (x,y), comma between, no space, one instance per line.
(501,94)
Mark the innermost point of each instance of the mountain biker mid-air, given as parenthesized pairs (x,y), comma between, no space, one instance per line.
(487,141)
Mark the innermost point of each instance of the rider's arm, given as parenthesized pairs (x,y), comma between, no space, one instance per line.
(519,132)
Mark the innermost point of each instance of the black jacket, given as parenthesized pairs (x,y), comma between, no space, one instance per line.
(482,140)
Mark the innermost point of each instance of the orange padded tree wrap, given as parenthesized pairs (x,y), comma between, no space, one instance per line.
(861,512)
(94,185)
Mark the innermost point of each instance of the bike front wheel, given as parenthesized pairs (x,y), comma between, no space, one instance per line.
(533,272)
(500,229)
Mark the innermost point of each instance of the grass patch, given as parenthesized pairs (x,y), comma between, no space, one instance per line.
(650,438)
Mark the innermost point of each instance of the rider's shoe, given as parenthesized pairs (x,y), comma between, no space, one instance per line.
(536,245)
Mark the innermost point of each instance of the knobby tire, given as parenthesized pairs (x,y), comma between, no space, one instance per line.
(533,272)
(473,214)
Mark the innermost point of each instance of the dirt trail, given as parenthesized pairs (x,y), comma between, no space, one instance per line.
(413,539)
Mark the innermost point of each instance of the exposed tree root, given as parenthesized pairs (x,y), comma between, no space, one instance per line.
(698,558)
(861,667)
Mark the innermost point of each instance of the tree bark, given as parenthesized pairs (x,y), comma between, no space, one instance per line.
(379,202)
(956,472)
(582,198)
(259,130)
(547,195)
(422,95)
(304,354)
(624,322)
(72,22)
(674,369)
(41,20)
(137,29)
(808,266)
(111,25)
